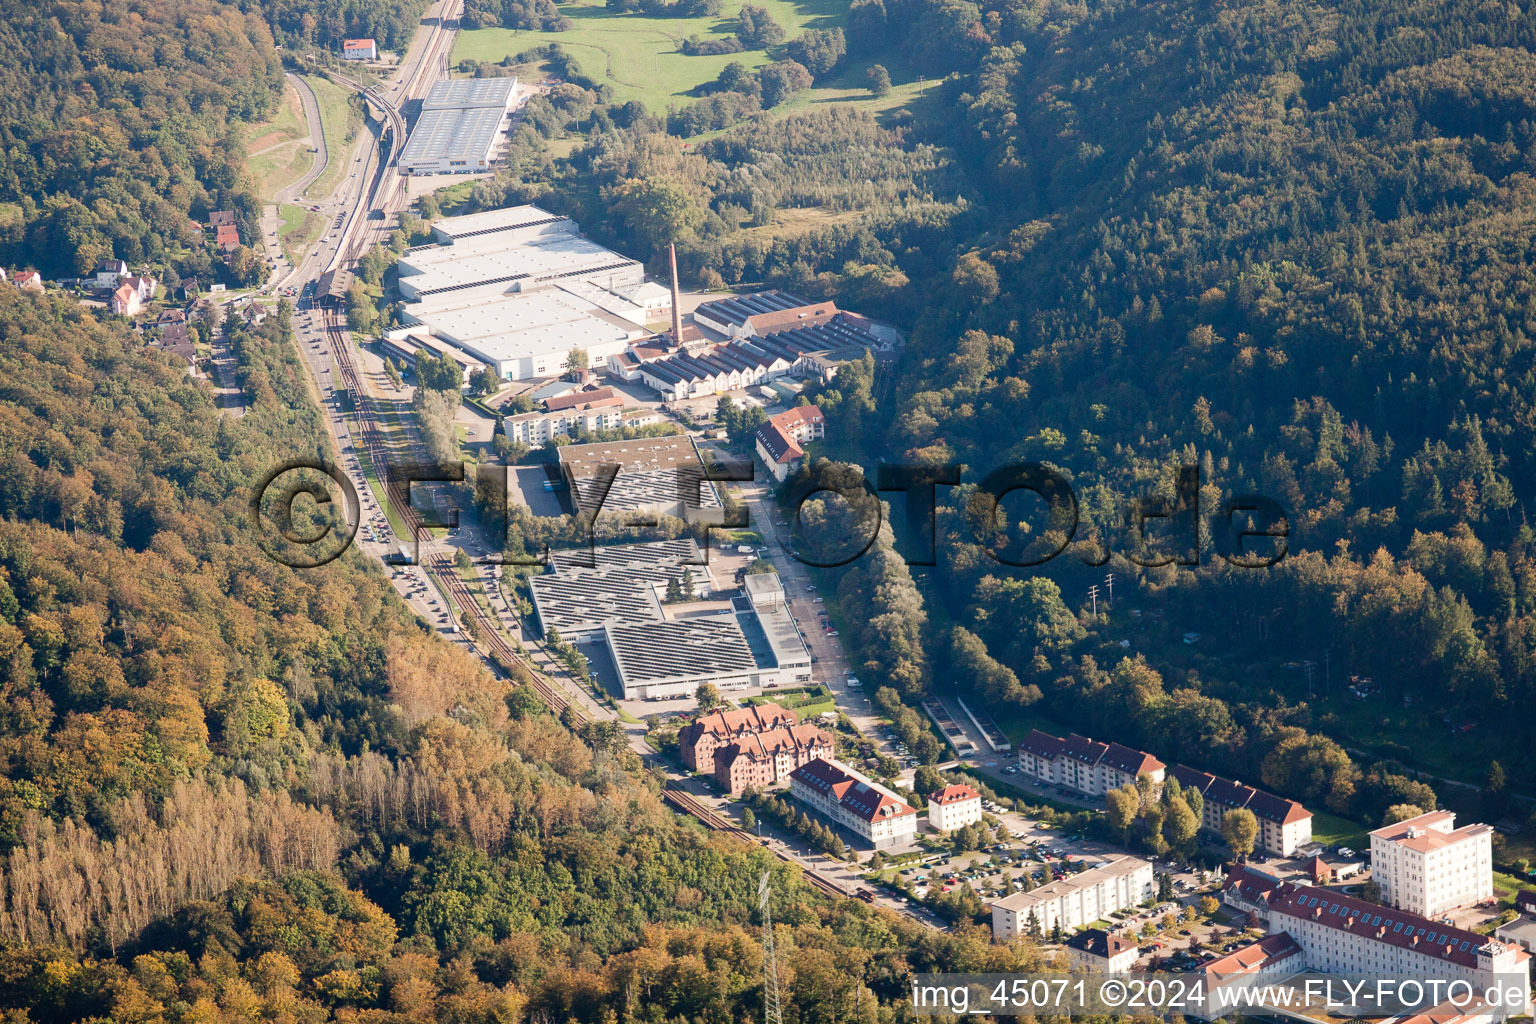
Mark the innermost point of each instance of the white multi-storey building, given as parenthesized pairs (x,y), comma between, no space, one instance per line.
(1341,935)
(1284,825)
(858,805)
(1085,765)
(1427,866)
(1074,901)
(954,806)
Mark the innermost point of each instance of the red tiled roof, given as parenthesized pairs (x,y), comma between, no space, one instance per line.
(858,798)
(954,794)
(726,724)
(766,744)
(778,445)
(1382,924)
(1253,958)
(356,44)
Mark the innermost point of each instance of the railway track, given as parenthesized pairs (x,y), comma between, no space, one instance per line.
(714,821)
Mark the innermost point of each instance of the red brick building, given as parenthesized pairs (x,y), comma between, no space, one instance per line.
(766,758)
(706,734)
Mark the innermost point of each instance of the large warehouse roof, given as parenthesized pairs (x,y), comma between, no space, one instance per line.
(470,92)
(657,552)
(705,646)
(455,134)
(581,602)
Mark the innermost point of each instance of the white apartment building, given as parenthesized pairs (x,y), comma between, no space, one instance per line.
(1427,866)
(1076,900)
(858,805)
(537,428)
(954,807)
(1284,825)
(1085,765)
(1341,935)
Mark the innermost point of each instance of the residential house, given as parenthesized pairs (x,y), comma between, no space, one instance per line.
(1085,765)
(1102,952)
(954,806)
(227,238)
(222,218)
(125,301)
(28,281)
(110,272)
(359,49)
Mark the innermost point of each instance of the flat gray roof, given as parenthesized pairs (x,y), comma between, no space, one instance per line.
(656,552)
(470,92)
(701,647)
(454,134)
(581,602)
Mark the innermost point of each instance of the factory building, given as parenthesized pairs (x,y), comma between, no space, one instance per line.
(518,289)
(460,126)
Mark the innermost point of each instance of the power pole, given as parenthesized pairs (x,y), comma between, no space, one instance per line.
(1093,595)
(772,1012)
(1109,581)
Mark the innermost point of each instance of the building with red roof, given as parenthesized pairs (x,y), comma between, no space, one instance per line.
(359,49)
(954,806)
(1340,934)
(699,739)
(1085,765)
(1284,825)
(769,757)
(877,817)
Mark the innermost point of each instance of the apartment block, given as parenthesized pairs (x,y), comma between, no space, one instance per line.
(706,734)
(877,817)
(1426,865)
(1284,825)
(1085,765)
(767,758)
(1074,901)
(953,807)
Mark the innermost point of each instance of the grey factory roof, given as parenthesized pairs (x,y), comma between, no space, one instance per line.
(581,602)
(707,646)
(453,134)
(470,92)
(736,310)
(841,334)
(655,471)
(657,552)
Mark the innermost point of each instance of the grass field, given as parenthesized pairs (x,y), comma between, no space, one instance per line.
(340,123)
(639,57)
(1331,830)
(279,148)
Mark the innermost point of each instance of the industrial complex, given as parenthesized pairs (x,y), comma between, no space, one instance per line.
(519,289)
(618,596)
